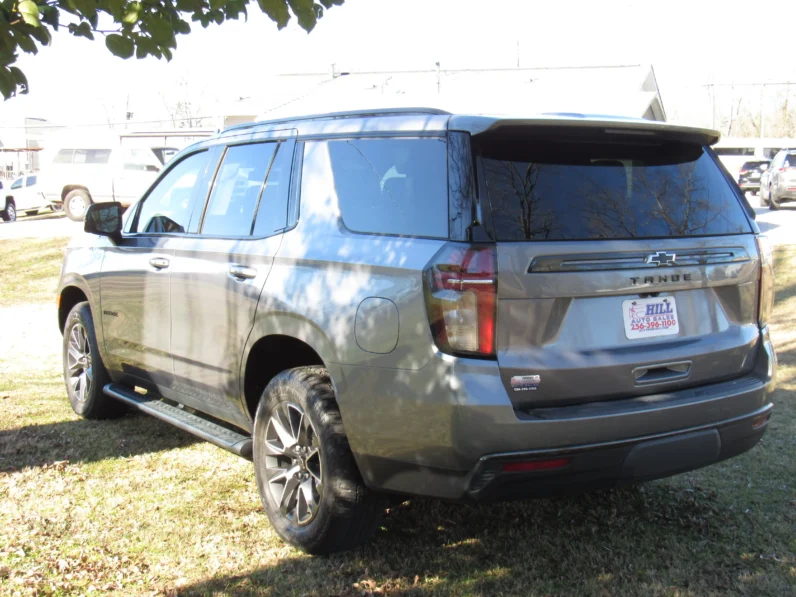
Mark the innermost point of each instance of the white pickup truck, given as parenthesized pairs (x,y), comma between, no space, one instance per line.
(78,177)
(24,195)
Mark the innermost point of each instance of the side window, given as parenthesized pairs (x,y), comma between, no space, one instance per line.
(30,181)
(237,189)
(91,156)
(392,186)
(272,209)
(64,156)
(140,160)
(167,207)
(17,184)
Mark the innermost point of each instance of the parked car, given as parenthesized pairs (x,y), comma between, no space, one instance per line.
(750,174)
(417,303)
(781,183)
(78,177)
(24,195)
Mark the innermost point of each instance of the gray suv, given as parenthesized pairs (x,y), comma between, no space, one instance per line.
(411,302)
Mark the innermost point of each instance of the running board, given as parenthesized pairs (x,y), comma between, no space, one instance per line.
(234,442)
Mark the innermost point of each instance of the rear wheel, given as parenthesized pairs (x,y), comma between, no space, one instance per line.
(84,373)
(309,483)
(773,202)
(9,214)
(76,203)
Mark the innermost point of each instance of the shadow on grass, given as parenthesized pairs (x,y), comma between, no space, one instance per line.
(87,441)
(654,539)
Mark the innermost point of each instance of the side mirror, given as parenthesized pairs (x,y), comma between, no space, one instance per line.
(104,219)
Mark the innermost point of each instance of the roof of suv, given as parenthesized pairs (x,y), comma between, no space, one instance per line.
(431,120)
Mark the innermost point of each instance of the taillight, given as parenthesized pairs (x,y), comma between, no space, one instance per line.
(766,280)
(460,285)
(744,172)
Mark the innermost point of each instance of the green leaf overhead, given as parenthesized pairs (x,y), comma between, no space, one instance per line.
(120,46)
(131,28)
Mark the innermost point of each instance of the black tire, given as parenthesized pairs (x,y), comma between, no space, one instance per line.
(9,214)
(73,200)
(85,393)
(773,202)
(347,512)
(32,212)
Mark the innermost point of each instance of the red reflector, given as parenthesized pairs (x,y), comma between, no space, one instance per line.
(535,465)
(757,422)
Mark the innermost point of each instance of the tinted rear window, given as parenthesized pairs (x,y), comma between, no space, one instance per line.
(392,186)
(584,191)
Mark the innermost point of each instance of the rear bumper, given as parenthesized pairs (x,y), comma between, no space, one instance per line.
(750,185)
(447,429)
(584,468)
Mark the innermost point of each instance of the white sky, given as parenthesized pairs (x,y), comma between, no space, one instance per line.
(688,42)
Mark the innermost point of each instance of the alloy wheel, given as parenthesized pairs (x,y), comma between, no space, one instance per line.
(78,362)
(11,212)
(77,206)
(293,463)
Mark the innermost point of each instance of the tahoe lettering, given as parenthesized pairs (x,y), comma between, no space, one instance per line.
(661,279)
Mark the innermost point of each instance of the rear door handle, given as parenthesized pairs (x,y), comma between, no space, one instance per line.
(159,262)
(242,272)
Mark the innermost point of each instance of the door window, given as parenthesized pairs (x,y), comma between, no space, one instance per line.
(237,189)
(17,184)
(272,210)
(167,207)
(91,156)
(30,181)
(64,156)
(140,160)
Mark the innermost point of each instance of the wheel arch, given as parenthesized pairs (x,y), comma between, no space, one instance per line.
(268,356)
(73,187)
(68,296)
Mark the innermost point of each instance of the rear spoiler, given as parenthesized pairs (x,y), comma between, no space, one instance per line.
(487,125)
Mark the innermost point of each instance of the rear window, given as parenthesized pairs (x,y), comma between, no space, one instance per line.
(392,186)
(754,165)
(584,191)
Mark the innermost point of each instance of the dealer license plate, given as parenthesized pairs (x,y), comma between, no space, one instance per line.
(650,317)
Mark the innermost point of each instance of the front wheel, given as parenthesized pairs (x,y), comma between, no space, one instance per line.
(76,203)
(9,214)
(84,372)
(308,481)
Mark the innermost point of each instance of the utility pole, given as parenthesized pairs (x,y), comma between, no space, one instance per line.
(438,78)
(518,53)
(762,111)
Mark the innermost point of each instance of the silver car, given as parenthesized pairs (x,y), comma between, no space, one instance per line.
(414,302)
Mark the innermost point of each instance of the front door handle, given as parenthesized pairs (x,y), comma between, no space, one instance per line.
(242,272)
(159,262)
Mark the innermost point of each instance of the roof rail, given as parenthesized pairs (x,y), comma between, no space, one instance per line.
(347,114)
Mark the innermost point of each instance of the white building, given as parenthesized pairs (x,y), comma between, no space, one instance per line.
(625,90)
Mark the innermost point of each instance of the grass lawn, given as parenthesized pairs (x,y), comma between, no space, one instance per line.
(135,507)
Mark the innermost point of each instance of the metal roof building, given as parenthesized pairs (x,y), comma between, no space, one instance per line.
(622,90)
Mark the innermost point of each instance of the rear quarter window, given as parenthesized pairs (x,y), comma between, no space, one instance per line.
(392,186)
(588,191)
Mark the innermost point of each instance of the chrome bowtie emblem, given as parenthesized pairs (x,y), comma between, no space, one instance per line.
(662,258)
